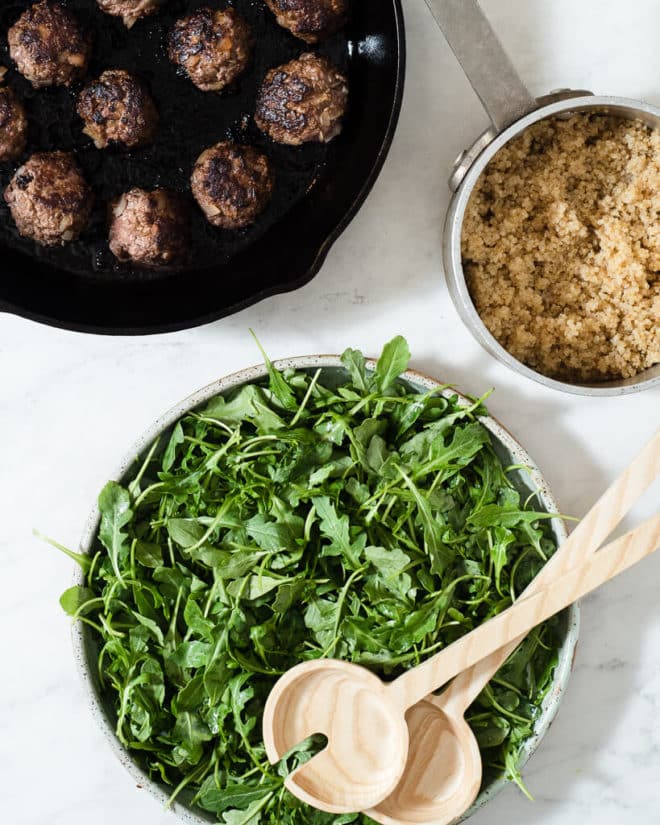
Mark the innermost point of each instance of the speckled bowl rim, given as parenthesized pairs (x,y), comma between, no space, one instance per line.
(418,381)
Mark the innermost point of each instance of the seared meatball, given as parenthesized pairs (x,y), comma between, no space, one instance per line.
(310,20)
(301,101)
(213,46)
(149,229)
(13,125)
(130,10)
(232,184)
(118,110)
(49,199)
(49,45)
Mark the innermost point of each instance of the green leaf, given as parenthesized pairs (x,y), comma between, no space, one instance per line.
(217,673)
(191,654)
(191,696)
(116,513)
(392,363)
(441,555)
(190,732)
(467,442)
(83,561)
(249,404)
(269,535)
(148,554)
(377,454)
(251,816)
(493,515)
(254,588)
(355,363)
(321,618)
(389,562)
(151,626)
(73,599)
(185,532)
(196,621)
(231,796)
(336,529)
(169,455)
(278,385)
(287,595)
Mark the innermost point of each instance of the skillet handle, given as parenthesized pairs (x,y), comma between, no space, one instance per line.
(484,61)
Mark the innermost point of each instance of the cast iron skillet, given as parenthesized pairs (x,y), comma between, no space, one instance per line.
(319,189)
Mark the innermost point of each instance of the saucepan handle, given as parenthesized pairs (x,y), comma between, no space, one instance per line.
(487,66)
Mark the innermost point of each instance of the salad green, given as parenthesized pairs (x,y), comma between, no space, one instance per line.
(297,519)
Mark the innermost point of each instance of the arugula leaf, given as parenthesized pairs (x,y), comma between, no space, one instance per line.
(269,535)
(356,364)
(393,361)
(148,554)
(190,733)
(116,513)
(278,385)
(337,529)
(219,799)
(176,438)
(185,532)
(75,598)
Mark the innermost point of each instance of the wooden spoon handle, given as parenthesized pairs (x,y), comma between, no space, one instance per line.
(526,614)
(585,539)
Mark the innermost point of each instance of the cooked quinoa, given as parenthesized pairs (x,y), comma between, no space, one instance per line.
(561,247)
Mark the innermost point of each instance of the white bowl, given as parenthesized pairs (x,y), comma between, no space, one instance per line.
(509,451)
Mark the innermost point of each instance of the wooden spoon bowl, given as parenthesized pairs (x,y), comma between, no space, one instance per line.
(347,704)
(433,783)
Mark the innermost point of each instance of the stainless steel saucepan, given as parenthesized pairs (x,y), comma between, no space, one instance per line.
(512,109)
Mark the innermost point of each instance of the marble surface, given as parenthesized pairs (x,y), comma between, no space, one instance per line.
(71,405)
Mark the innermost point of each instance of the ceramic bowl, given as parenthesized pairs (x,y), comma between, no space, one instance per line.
(509,450)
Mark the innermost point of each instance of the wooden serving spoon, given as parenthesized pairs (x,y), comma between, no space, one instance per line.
(364,718)
(443,773)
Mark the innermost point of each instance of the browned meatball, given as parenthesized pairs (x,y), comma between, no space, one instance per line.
(149,229)
(233,184)
(118,110)
(49,45)
(310,20)
(13,125)
(130,10)
(49,199)
(301,101)
(213,46)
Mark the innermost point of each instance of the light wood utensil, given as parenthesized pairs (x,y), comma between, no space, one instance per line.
(364,718)
(444,772)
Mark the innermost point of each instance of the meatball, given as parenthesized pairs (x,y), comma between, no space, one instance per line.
(149,229)
(130,10)
(233,184)
(213,46)
(118,110)
(49,199)
(302,101)
(310,20)
(49,45)
(13,125)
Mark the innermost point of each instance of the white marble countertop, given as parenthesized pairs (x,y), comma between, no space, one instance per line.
(71,405)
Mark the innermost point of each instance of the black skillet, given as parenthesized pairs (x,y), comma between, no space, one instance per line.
(319,189)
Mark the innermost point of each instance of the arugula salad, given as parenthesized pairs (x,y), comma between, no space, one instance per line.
(295,519)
